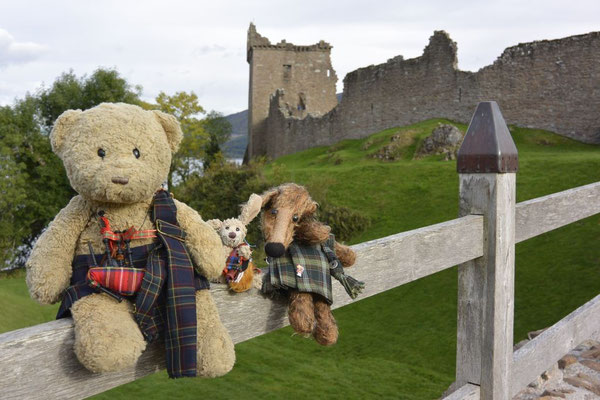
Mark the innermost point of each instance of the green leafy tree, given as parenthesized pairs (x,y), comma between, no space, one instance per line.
(184,106)
(219,131)
(33,184)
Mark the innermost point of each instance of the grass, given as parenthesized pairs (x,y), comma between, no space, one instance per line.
(401,343)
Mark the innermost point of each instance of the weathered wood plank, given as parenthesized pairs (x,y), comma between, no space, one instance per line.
(543,351)
(45,351)
(537,216)
(486,287)
(466,392)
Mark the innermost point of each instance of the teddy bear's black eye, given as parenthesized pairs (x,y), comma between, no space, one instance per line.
(237,229)
(227,227)
(136,153)
(101,153)
(295,218)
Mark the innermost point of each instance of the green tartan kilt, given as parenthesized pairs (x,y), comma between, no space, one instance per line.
(315,278)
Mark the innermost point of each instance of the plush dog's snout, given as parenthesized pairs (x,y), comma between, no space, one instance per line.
(274,249)
(231,235)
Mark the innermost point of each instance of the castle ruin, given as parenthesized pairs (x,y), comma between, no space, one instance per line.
(549,84)
(304,73)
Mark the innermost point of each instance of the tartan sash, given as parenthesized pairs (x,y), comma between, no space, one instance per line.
(166,301)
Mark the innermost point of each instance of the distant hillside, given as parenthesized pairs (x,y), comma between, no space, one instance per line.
(236,146)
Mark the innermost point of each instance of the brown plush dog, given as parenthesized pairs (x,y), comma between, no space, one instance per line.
(289,224)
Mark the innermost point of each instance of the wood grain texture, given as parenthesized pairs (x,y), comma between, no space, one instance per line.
(45,352)
(537,216)
(543,351)
(465,392)
(486,287)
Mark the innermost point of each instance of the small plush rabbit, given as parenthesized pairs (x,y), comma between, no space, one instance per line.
(239,272)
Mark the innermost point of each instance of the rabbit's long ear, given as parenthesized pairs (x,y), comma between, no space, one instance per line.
(250,209)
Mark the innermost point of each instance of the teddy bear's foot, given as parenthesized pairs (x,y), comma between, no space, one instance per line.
(216,354)
(107,338)
(326,331)
(301,312)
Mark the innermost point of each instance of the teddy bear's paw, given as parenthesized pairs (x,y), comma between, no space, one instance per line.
(216,354)
(107,338)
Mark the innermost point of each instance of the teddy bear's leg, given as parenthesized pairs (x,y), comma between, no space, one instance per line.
(326,331)
(216,355)
(301,312)
(107,338)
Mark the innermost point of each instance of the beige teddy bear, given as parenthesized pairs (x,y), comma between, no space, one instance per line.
(124,235)
(239,272)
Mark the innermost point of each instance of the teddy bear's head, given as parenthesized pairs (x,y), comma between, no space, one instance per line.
(117,153)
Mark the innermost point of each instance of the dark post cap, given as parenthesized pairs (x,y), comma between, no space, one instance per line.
(488,146)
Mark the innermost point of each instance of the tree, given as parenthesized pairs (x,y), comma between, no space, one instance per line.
(33,184)
(69,92)
(184,106)
(219,131)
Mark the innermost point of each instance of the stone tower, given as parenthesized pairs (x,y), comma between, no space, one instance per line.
(303,72)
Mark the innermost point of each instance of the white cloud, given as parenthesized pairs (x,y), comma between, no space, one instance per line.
(13,52)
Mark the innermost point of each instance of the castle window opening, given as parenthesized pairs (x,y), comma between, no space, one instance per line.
(328,73)
(287,72)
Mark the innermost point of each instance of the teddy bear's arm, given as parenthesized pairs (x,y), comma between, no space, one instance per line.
(49,265)
(202,241)
(245,251)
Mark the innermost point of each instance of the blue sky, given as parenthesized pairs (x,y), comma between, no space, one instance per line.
(200,46)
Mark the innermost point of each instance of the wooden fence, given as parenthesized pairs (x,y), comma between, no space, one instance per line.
(38,362)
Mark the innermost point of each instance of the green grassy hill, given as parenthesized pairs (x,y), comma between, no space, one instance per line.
(399,344)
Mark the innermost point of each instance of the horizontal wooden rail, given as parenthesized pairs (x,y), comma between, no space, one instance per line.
(543,214)
(39,363)
(543,351)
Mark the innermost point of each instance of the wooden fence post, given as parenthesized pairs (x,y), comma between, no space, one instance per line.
(487,163)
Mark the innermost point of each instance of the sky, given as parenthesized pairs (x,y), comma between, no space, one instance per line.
(200,46)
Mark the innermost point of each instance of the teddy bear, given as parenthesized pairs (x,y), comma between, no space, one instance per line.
(130,263)
(239,273)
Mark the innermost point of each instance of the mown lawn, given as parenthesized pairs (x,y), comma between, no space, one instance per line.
(399,344)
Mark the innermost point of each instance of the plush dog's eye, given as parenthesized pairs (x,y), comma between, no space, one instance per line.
(101,152)
(274,211)
(295,218)
(136,153)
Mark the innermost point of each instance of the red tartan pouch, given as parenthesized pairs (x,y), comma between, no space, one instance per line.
(125,281)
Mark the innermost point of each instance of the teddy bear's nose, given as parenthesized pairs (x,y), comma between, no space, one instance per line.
(232,235)
(120,180)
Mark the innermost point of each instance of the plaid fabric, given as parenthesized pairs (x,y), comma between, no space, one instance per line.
(169,275)
(313,276)
(125,281)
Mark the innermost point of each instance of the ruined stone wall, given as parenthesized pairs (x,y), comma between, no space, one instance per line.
(304,72)
(553,85)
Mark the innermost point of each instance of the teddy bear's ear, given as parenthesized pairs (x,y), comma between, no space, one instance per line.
(60,131)
(171,127)
(214,223)
(250,209)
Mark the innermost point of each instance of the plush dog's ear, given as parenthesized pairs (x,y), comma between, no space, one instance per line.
(250,209)
(312,208)
(268,196)
(171,127)
(61,129)
(214,223)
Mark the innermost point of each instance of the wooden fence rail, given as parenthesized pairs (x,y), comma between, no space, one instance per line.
(38,362)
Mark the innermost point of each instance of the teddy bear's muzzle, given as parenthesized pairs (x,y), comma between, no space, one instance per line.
(120,180)
(232,235)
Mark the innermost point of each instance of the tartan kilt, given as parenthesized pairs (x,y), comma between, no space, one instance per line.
(281,274)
